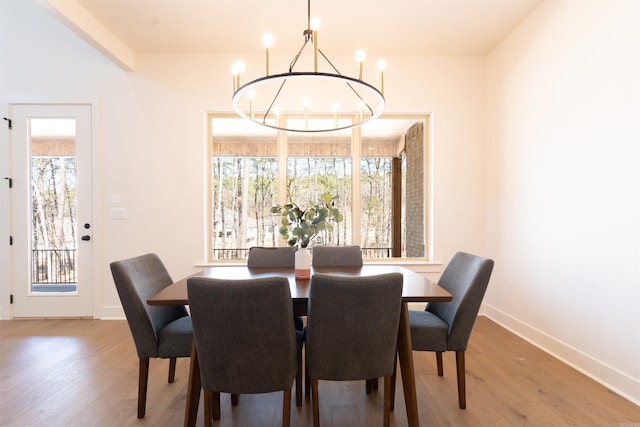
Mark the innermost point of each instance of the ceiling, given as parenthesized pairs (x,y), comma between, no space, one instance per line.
(461,27)
(121,29)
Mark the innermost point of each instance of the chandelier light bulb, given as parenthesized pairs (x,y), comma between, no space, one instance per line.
(315,24)
(239,67)
(237,70)
(382,64)
(234,68)
(267,40)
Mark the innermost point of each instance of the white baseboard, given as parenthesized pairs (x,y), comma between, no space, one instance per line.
(610,377)
(112,312)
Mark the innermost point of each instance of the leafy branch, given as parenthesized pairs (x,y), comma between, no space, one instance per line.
(299,227)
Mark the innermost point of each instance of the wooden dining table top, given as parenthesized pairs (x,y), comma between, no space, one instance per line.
(416,288)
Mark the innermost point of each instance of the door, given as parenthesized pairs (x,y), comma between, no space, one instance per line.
(51,207)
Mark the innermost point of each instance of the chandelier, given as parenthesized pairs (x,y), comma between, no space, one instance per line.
(333,100)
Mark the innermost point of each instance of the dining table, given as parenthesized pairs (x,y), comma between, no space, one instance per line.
(416,289)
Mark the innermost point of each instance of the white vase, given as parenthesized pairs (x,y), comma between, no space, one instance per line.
(303,263)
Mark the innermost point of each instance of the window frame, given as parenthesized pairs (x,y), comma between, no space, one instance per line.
(356,157)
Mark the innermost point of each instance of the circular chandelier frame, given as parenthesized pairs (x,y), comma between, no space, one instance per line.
(370,100)
(368,113)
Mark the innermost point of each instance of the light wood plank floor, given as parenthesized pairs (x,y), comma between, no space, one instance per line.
(84,373)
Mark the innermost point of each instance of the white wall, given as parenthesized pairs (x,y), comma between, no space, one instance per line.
(563,196)
(152,148)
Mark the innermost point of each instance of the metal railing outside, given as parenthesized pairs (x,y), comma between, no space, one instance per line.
(53,266)
(230,253)
(376,253)
(242,253)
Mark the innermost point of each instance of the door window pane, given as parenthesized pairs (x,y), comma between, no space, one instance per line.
(53,205)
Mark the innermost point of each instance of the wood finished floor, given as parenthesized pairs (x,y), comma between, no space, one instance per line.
(84,373)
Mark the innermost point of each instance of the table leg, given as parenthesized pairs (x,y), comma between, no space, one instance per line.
(193,389)
(406,367)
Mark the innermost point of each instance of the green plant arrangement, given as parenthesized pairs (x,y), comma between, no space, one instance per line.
(299,227)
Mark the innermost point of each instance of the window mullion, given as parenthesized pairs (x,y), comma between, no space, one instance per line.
(282,154)
(356,136)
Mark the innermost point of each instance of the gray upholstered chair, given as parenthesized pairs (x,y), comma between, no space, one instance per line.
(280,257)
(245,338)
(269,257)
(446,326)
(163,332)
(264,257)
(352,331)
(337,256)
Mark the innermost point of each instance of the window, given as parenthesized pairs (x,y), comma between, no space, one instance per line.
(379,171)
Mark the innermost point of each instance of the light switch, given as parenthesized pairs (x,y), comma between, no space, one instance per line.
(118,213)
(115,200)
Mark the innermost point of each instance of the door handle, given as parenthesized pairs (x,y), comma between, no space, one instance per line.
(86,238)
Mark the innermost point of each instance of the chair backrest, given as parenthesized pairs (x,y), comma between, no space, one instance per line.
(260,256)
(466,278)
(352,326)
(244,333)
(136,279)
(337,256)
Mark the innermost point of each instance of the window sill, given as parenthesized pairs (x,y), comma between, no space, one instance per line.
(417,265)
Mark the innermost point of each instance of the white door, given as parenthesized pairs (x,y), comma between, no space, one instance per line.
(51,210)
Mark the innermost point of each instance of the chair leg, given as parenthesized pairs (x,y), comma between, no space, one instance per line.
(371,385)
(299,384)
(172,369)
(316,405)
(143,378)
(286,408)
(439,363)
(215,405)
(387,400)
(234,399)
(462,392)
(393,384)
(208,402)
(307,383)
